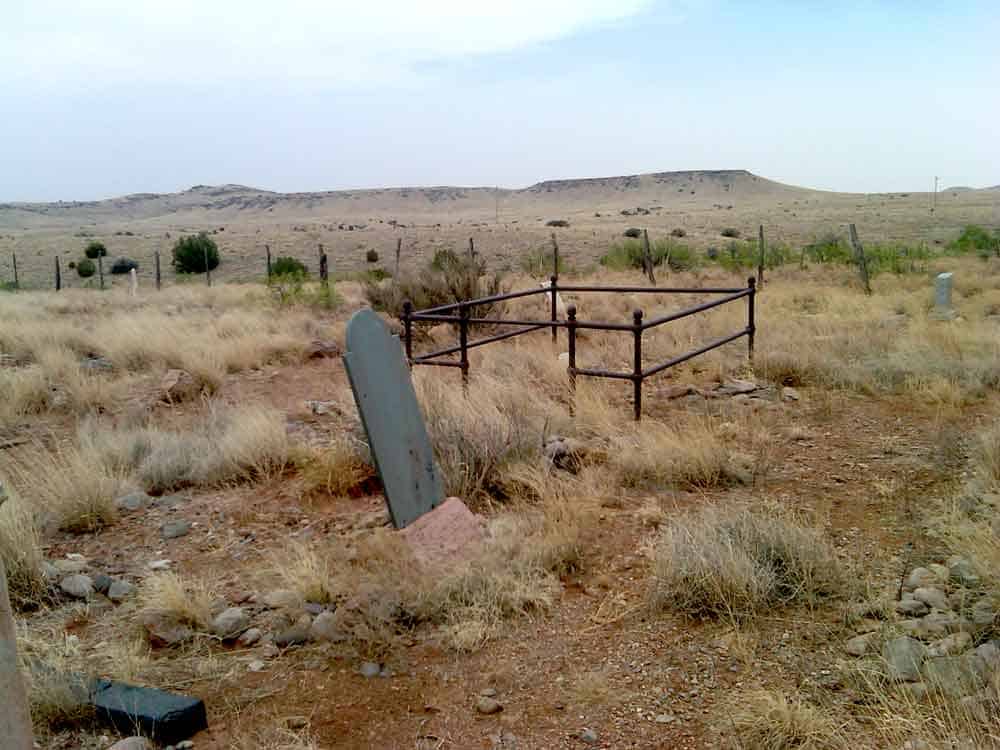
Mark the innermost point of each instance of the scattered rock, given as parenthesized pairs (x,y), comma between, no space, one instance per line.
(120,590)
(912,608)
(175,529)
(447,535)
(938,624)
(990,654)
(941,571)
(954,676)
(132,743)
(789,394)
(282,599)
(666,719)
(324,628)
(370,669)
(983,612)
(168,502)
(916,692)
(133,501)
(950,645)
(962,572)
(96,364)
(672,392)
(322,408)
(319,349)
(76,565)
(231,622)
(78,586)
(296,722)
(249,637)
(919,577)
(185,745)
(159,565)
(164,630)
(734,387)
(860,645)
(178,386)
(256,666)
(295,635)
(903,658)
(488,706)
(589,736)
(565,453)
(102,583)
(933,597)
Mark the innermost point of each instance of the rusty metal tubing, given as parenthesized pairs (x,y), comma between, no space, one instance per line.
(647,289)
(463,345)
(603,373)
(692,354)
(441,363)
(407,324)
(696,309)
(637,364)
(481,342)
(571,365)
(553,282)
(751,317)
(485,300)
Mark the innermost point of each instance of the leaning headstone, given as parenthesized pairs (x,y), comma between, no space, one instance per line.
(15,721)
(942,297)
(391,417)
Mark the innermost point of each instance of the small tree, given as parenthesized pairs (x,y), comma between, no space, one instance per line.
(86,268)
(191,253)
(95,249)
(123,265)
(288,266)
(372,256)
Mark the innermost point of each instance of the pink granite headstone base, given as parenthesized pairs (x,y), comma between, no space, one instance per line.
(449,534)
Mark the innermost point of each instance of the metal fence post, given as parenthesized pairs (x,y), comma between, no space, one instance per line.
(637,364)
(408,331)
(267,252)
(463,342)
(751,316)
(58,275)
(553,283)
(571,366)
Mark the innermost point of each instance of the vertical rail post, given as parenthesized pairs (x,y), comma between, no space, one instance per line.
(463,342)
(751,316)
(554,312)
(100,269)
(267,259)
(58,275)
(408,331)
(571,365)
(13,258)
(637,364)
(159,277)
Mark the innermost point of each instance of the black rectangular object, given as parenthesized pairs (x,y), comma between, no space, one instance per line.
(157,714)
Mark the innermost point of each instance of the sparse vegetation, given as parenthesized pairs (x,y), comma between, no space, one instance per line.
(95,249)
(730,232)
(85,268)
(371,256)
(557,223)
(195,254)
(123,265)
(288,266)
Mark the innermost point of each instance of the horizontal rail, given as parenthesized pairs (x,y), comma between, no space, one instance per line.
(692,354)
(695,310)
(484,300)
(603,373)
(547,324)
(645,289)
(443,363)
(480,342)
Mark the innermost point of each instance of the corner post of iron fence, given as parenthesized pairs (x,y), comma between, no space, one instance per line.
(408,331)
(571,365)
(751,316)
(463,342)
(637,364)
(554,287)
(58,275)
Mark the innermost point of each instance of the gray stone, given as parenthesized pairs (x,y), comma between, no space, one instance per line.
(860,645)
(903,657)
(488,706)
(370,669)
(565,453)
(231,622)
(387,403)
(938,624)
(159,564)
(70,565)
(249,637)
(984,612)
(962,572)
(589,736)
(989,652)
(950,645)
(96,364)
(915,691)
(941,571)
(324,628)
(919,577)
(295,635)
(120,590)
(175,529)
(942,295)
(912,608)
(133,501)
(185,745)
(164,630)
(102,583)
(932,596)
(282,599)
(168,502)
(132,743)
(789,394)
(954,676)
(256,666)
(78,586)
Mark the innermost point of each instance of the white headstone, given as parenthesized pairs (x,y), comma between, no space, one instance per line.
(942,296)
(15,720)
(133,280)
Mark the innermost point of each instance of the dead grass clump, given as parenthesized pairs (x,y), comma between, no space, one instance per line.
(691,455)
(66,488)
(770,720)
(338,469)
(734,562)
(987,454)
(184,600)
(20,551)
(307,571)
(57,694)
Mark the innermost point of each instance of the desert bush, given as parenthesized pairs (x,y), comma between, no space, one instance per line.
(771,720)
(629,254)
(976,239)
(86,268)
(557,223)
(371,256)
(632,233)
(123,266)
(288,266)
(678,232)
(338,468)
(57,694)
(538,262)
(95,250)
(730,232)
(735,563)
(195,254)
(20,551)
(829,248)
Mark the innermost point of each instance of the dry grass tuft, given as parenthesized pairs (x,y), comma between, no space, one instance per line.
(20,551)
(735,562)
(307,571)
(185,600)
(56,693)
(769,720)
(337,469)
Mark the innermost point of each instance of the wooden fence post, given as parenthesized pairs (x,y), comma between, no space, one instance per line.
(267,255)
(58,275)
(399,249)
(860,259)
(100,270)
(647,258)
(760,260)
(13,257)
(156,257)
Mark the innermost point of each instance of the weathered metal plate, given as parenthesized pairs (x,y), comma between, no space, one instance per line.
(391,417)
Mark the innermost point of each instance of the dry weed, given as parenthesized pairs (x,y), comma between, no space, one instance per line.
(20,551)
(185,600)
(771,720)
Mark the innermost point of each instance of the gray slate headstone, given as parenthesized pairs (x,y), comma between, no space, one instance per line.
(391,416)
(942,295)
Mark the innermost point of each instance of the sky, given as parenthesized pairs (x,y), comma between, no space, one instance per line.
(109,97)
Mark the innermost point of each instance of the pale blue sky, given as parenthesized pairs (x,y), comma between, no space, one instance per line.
(116,96)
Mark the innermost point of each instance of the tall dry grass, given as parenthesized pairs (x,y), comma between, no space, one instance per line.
(21,550)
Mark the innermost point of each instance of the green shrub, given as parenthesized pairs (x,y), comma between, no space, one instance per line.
(538,262)
(830,248)
(123,265)
(976,239)
(372,256)
(557,223)
(898,259)
(730,232)
(190,254)
(86,268)
(288,266)
(633,232)
(95,249)
(628,254)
